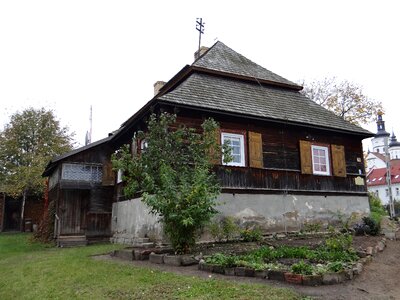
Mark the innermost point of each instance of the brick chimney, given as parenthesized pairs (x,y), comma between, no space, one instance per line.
(157,86)
(200,52)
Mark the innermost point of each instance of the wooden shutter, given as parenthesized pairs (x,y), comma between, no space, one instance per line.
(255,150)
(108,174)
(134,147)
(338,161)
(305,157)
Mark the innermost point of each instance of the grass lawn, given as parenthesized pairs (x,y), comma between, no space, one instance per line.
(34,271)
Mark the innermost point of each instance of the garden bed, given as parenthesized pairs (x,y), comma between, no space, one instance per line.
(306,260)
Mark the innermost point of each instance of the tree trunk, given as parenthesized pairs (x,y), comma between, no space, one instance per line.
(23,210)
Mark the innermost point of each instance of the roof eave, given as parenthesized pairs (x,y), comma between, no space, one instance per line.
(280,121)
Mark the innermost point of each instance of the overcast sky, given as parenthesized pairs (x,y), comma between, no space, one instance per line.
(69,55)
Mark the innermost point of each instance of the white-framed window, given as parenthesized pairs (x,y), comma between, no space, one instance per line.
(387,192)
(143,145)
(320,160)
(376,193)
(236,142)
(397,192)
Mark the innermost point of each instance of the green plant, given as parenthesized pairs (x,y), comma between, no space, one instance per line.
(312,227)
(251,235)
(377,210)
(229,228)
(174,176)
(336,266)
(226,228)
(339,242)
(302,268)
(215,230)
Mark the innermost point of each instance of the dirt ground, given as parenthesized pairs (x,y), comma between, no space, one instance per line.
(379,279)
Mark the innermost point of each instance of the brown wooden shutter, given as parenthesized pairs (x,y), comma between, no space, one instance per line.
(134,147)
(108,174)
(255,150)
(338,161)
(305,157)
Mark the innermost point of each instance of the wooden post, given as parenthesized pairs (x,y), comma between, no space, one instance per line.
(2,213)
(23,210)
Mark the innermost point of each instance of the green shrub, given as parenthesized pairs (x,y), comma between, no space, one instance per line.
(251,235)
(376,208)
(339,242)
(229,228)
(228,261)
(302,268)
(336,266)
(226,228)
(312,227)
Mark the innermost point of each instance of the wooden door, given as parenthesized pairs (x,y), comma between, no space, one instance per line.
(73,209)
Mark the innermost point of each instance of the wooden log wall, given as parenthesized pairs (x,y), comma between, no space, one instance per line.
(281,156)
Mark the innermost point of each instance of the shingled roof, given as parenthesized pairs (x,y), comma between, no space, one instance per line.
(222,58)
(267,95)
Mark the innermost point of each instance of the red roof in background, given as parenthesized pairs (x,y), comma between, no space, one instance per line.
(378,176)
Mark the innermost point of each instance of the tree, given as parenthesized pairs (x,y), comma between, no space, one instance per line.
(174,175)
(27,143)
(343,98)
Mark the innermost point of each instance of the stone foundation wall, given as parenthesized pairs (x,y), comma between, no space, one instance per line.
(132,220)
(282,213)
(271,213)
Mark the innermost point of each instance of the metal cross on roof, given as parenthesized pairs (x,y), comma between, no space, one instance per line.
(200,29)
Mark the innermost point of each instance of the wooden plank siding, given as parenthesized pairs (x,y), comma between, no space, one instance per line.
(281,157)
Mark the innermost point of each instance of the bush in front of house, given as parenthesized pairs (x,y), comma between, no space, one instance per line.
(174,175)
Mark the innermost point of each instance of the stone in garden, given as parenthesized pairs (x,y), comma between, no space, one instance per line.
(293,278)
(242,271)
(218,269)
(188,260)
(358,269)
(370,250)
(276,275)
(229,271)
(261,274)
(380,246)
(156,258)
(125,254)
(173,260)
(201,264)
(349,274)
(333,278)
(312,280)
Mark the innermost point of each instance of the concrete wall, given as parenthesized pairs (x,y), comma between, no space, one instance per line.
(272,213)
(132,219)
(280,213)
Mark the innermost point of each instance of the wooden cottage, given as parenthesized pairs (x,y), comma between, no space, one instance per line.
(294,161)
(81,185)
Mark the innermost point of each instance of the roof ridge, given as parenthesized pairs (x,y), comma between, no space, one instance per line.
(220,57)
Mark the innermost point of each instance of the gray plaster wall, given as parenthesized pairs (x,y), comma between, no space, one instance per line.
(132,220)
(285,212)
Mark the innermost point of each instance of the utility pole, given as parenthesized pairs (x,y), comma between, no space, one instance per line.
(200,29)
(389,178)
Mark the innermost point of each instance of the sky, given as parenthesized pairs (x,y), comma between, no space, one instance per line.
(70,55)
